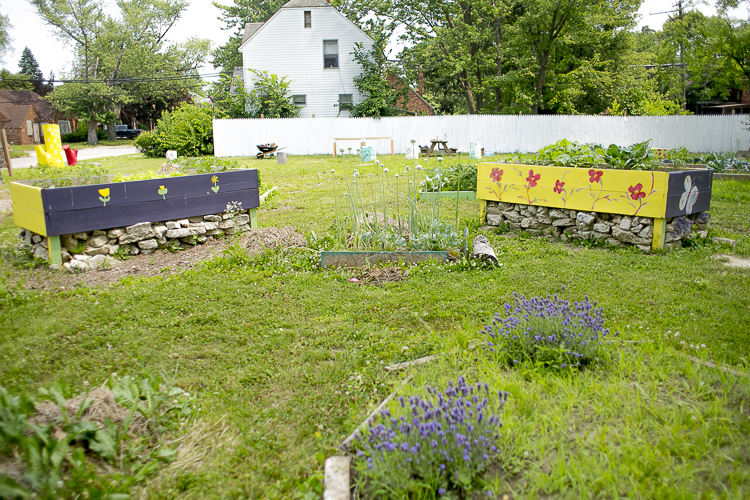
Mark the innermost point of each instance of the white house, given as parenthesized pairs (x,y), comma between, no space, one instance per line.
(311,43)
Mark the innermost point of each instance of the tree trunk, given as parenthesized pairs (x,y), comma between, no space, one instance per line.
(540,83)
(499,62)
(469,94)
(92,138)
(111,134)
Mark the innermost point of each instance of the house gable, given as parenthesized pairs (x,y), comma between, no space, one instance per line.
(285,47)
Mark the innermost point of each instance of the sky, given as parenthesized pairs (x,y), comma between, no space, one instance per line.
(200,19)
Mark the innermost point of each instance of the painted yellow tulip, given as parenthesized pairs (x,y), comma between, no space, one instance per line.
(104,192)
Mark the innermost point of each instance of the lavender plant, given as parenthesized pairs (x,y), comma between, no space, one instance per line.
(550,332)
(433,446)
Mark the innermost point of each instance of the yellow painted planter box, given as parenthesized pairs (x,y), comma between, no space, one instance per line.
(655,194)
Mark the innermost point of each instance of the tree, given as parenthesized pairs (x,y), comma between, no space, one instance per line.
(9,81)
(227,57)
(381,98)
(30,67)
(270,97)
(230,97)
(5,39)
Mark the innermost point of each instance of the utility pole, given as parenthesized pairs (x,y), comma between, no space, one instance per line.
(679,10)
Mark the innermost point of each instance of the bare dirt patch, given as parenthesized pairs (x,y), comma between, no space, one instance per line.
(162,262)
(732,261)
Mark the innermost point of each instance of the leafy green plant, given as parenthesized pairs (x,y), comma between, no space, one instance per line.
(565,153)
(270,96)
(725,162)
(635,157)
(187,130)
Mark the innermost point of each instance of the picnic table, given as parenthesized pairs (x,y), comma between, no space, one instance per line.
(442,146)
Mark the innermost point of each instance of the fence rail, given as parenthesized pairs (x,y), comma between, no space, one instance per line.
(497,133)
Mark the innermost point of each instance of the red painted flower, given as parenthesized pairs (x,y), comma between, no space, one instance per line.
(595,175)
(635,191)
(533,179)
(496,174)
(559,187)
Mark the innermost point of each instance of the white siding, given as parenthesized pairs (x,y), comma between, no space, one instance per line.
(497,133)
(284,47)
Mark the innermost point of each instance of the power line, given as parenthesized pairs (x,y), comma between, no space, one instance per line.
(117,80)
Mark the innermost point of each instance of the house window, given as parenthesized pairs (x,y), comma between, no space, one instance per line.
(330,53)
(345,99)
(308,19)
(299,100)
(29,129)
(64,126)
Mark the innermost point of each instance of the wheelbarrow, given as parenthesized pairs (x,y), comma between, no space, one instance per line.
(267,150)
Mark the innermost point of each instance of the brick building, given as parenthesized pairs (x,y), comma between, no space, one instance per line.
(415,104)
(23,112)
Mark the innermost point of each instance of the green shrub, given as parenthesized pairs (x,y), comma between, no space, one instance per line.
(187,130)
(82,134)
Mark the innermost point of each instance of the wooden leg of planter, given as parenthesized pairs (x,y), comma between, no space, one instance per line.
(253,218)
(657,243)
(483,211)
(53,247)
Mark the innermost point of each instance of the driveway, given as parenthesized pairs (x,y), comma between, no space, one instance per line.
(83,154)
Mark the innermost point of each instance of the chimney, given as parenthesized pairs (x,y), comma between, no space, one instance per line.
(420,78)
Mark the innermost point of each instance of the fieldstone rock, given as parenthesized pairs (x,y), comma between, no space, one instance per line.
(505,206)
(601,227)
(615,243)
(644,248)
(226,216)
(78,266)
(724,241)
(103,250)
(160,230)
(226,224)
(190,240)
(112,241)
(616,219)
(195,219)
(183,222)
(148,251)
(69,242)
(81,257)
(243,228)
(646,232)
(513,216)
(242,219)
(585,234)
(65,255)
(526,223)
(141,227)
(572,214)
(647,221)
(212,218)
(563,222)
(148,244)
(96,261)
(514,225)
(702,234)
(214,232)
(201,239)
(173,225)
(492,220)
(481,249)
(98,241)
(81,236)
(532,209)
(636,228)
(40,253)
(543,218)
(116,233)
(99,232)
(557,214)
(628,237)
(625,223)
(178,233)
(231,230)
(36,239)
(54,267)
(492,208)
(134,237)
(585,219)
(599,236)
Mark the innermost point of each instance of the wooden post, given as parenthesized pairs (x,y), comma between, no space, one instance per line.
(253,218)
(483,211)
(392,153)
(53,248)
(657,242)
(334,149)
(6,153)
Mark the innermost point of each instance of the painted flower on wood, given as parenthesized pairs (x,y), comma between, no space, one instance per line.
(163,191)
(497,176)
(104,195)
(636,194)
(531,181)
(689,197)
(595,177)
(215,187)
(562,190)
(559,187)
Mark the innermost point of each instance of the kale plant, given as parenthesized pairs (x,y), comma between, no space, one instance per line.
(439,444)
(549,332)
(725,162)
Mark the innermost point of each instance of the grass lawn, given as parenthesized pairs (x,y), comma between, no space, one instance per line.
(286,360)
(17,151)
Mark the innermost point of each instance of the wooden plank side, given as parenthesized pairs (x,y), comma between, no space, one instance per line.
(27,196)
(29,219)
(131,192)
(687,186)
(90,219)
(629,192)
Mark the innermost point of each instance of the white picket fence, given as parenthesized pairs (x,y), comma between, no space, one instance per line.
(496,133)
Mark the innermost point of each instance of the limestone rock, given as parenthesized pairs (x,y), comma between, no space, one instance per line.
(148,244)
(212,218)
(513,216)
(178,233)
(628,237)
(173,225)
(492,220)
(585,219)
(69,242)
(183,222)
(134,237)
(116,233)
(98,241)
(160,230)
(195,219)
(646,232)
(226,224)
(563,222)
(99,233)
(601,227)
(557,214)
(41,253)
(78,266)
(96,261)
(724,241)
(141,227)
(81,236)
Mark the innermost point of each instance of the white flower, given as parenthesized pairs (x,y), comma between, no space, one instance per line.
(333,171)
(385,170)
(689,197)
(407,168)
(440,158)
(396,176)
(419,167)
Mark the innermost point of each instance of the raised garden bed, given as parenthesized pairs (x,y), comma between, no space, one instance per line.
(447,195)
(654,195)
(364,258)
(55,211)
